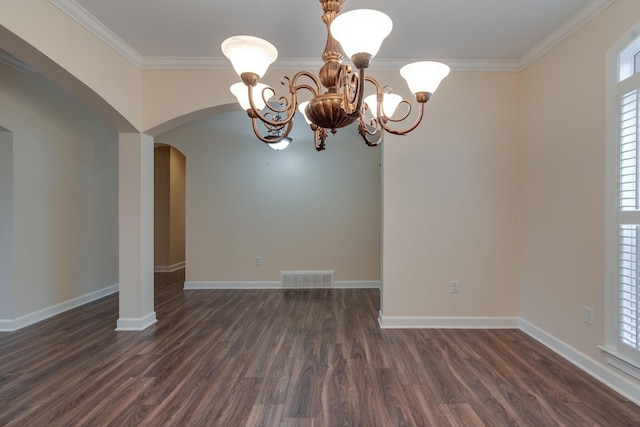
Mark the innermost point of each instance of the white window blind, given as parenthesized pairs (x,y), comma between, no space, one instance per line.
(624,282)
(629,199)
(628,330)
(628,312)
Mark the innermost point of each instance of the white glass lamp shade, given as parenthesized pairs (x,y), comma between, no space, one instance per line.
(390,102)
(424,76)
(281,145)
(249,54)
(239,90)
(301,107)
(361,31)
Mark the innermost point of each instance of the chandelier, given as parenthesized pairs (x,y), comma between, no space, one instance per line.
(359,33)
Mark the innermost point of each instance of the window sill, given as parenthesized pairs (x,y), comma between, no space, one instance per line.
(625,365)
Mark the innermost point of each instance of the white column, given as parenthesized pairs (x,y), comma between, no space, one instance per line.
(6,230)
(135,213)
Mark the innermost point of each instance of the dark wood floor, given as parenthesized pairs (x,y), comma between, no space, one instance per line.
(286,358)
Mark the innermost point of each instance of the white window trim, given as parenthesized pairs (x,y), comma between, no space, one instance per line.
(612,212)
(620,362)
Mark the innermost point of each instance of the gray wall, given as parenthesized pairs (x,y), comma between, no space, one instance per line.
(65,224)
(297,209)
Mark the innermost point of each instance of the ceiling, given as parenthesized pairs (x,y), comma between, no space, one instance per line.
(473,30)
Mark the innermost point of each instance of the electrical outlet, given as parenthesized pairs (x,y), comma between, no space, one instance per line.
(258,260)
(588,315)
(454,286)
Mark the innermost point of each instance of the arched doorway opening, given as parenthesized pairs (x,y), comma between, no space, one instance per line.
(253,211)
(169,209)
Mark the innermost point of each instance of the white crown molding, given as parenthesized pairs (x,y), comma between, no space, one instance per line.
(388,64)
(382,64)
(184,63)
(88,21)
(221,63)
(483,65)
(581,17)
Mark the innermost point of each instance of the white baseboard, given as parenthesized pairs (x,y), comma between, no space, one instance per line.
(136,324)
(355,284)
(169,268)
(424,322)
(232,285)
(623,385)
(10,325)
(6,325)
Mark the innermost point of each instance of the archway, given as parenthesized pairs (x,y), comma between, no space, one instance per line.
(254,212)
(169,208)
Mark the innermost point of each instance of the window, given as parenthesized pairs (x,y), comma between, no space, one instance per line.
(628,286)
(622,346)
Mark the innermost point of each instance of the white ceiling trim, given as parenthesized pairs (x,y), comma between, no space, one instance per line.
(88,21)
(173,63)
(182,63)
(581,17)
(455,64)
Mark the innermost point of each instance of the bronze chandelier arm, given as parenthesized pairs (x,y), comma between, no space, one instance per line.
(379,94)
(311,90)
(349,81)
(383,120)
(406,114)
(374,128)
(374,82)
(289,104)
(384,126)
(294,88)
(293,85)
(359,80)
(254,113)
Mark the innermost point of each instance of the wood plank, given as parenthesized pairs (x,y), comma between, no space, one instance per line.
(286,358)
(265,416)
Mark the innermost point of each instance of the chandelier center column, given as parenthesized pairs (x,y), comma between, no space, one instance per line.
(332,56)
(332,50)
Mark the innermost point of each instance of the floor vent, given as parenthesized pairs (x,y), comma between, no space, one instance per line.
(306,279)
